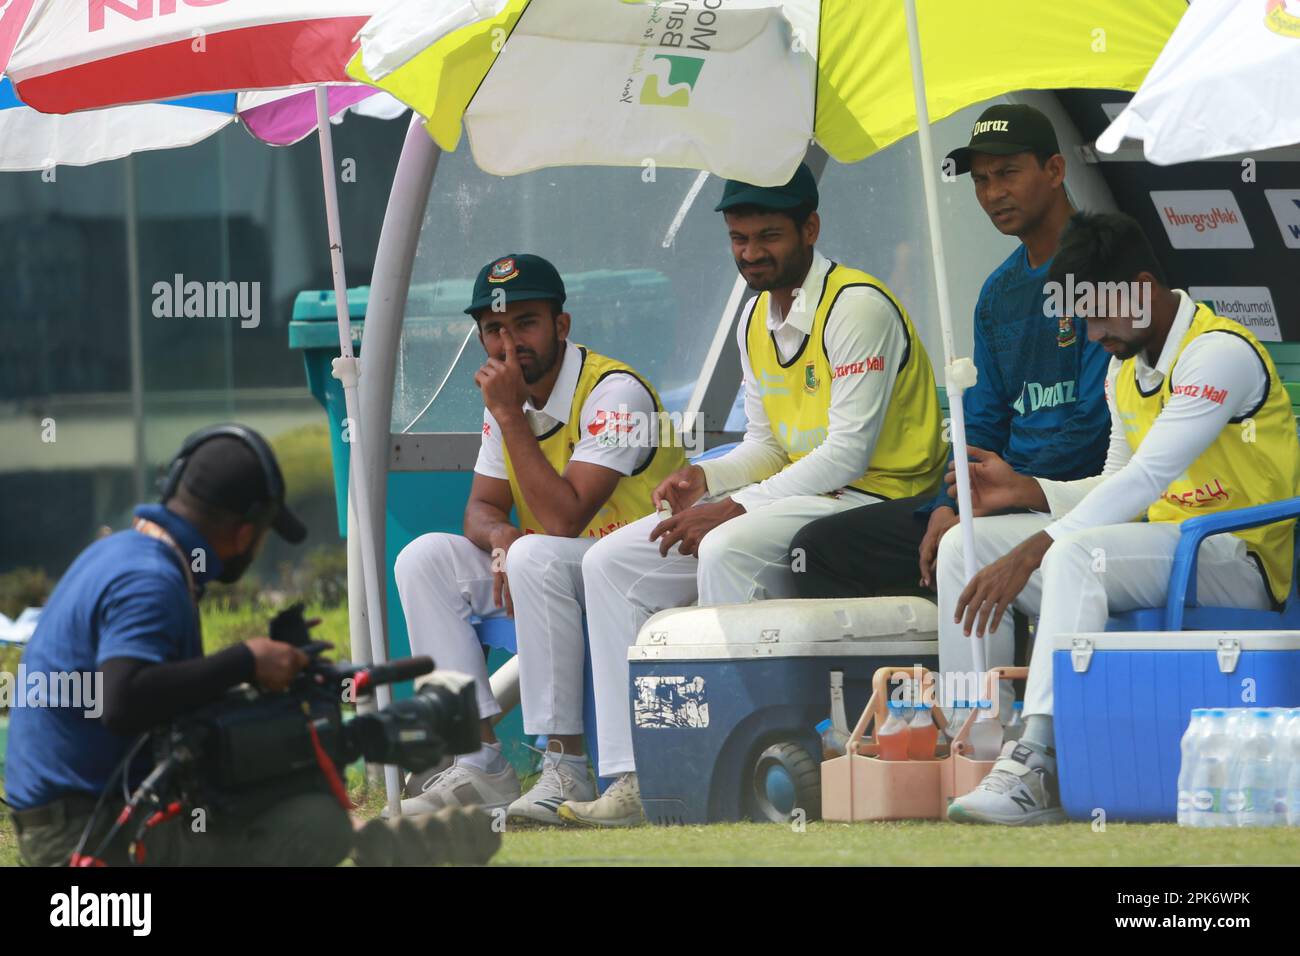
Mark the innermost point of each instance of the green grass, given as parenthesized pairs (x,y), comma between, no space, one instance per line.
(225,624)
(899,844)
(869,844)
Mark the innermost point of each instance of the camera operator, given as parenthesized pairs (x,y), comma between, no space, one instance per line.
(128,609)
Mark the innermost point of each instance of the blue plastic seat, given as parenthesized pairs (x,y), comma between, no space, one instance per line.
(499,632)
(1182,613)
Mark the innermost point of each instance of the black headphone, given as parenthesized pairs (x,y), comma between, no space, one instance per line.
(261,513)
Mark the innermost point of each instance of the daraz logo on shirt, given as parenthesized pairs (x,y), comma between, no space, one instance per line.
(1044,396)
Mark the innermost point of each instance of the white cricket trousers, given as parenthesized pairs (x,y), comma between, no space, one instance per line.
(443,579)
(1084,578)
(742,560)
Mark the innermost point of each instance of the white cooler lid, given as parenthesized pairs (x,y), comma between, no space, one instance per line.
(792,628)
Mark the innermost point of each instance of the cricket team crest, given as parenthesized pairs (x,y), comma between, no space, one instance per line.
(1065,336)
(503,270)
(810,382)
(1281,20)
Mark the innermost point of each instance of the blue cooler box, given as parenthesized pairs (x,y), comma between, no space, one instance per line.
(1123,701)
(725,700)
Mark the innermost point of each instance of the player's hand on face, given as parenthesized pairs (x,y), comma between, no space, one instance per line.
(501,380)
(681,489)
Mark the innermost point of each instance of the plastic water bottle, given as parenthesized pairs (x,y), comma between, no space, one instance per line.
(985,733)
(893,736)
(1015,725)
(1210,774)
(1191,744)
(834,742)
(1290,769)
(1254,790)
(922,734)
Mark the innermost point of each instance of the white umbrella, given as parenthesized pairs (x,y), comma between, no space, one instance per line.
(1224,84)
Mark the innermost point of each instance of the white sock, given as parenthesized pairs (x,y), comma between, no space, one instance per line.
(487,758)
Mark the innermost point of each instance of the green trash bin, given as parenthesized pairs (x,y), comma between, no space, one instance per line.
(418,502)
(314,330)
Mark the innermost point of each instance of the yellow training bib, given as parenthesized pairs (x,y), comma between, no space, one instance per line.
(631,497)
(1254,460)
(910,452)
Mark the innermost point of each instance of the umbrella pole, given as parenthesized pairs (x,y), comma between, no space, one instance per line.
(959,373)
(346,370)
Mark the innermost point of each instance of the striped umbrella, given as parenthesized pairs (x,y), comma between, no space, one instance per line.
(34,140)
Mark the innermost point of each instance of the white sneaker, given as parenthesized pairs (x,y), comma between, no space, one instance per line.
(561,780)
(619,806)
(1020,790)
(463,785)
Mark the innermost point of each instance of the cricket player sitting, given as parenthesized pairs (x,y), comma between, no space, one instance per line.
(571,442)
(841,411)
(1200,423)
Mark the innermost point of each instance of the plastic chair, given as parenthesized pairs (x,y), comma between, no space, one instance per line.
(1182,613)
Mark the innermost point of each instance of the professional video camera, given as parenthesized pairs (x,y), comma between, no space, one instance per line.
(252,749)
(252,746)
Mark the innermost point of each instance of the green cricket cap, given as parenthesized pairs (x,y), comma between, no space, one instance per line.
(801,190)
(520,276)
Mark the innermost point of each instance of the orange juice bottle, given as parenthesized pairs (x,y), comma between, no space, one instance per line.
(922,734)
(893,736)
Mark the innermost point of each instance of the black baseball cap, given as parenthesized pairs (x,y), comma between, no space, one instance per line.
(801,190)
(225,472)
(1006,130)
(521,276)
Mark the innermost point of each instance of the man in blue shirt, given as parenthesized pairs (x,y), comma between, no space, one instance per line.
(1039,401)
(117,651)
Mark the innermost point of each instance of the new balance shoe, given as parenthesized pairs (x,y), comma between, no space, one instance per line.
(464,785)
(619,806)
(562,779)
(1020,790)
